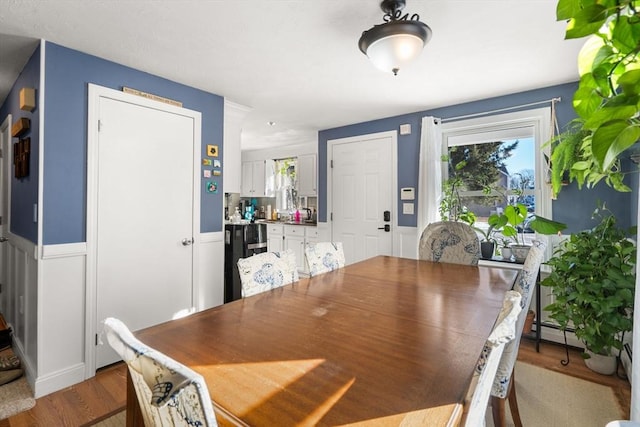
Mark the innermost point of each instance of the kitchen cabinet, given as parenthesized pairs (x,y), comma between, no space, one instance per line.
(253,179)
(294,236)
(234,115)
(306,171)
(275,238)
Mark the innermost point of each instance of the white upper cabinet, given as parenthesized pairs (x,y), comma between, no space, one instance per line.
(234,115)
(307,175)
(253,179)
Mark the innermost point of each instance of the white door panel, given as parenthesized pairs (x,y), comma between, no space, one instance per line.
(362,183)
(145,196)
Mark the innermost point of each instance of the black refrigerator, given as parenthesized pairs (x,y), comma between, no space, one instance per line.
(241,241)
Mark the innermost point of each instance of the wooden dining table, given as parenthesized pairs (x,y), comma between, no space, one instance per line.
(386,341)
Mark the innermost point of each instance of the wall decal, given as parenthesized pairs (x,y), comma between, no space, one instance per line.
(212,150)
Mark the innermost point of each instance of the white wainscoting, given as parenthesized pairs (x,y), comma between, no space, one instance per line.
(61,358)
(405,242)
(211,283)
(20,300)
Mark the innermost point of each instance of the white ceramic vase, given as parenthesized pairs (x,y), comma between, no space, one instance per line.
(602,364)
(520,252)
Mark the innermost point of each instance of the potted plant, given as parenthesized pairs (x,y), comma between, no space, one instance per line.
(488,241)
(516,219)
(606,98)
(593,283)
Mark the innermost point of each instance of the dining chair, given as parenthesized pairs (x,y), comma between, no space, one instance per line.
(503,385)
(168,392)
(265,271)
(323,257)
(449,241)
(503,332)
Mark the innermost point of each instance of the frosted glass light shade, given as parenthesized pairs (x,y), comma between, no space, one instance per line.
(394,52)
(393,45)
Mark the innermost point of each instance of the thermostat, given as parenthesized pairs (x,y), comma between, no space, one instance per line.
(407,193)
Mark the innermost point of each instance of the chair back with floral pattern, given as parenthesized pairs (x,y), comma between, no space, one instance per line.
(503,332)
(449,241)
(525,285)
(265,271)
(323,257)
(169,393)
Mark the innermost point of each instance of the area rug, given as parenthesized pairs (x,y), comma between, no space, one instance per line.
(15,397)
(550,399)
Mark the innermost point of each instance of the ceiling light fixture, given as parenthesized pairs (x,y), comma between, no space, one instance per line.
(396,42)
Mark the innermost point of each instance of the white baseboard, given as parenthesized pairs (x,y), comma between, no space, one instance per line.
(63,378)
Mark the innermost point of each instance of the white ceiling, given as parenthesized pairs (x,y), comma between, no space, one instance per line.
(296,62)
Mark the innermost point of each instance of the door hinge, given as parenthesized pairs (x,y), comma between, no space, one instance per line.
(96,339)
(1,153)
(331,163)
(99,125)
(331,216)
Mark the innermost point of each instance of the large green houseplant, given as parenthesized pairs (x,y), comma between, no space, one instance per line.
(593,282)
(607,100)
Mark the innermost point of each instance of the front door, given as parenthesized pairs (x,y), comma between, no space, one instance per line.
(362,190)
(144,222)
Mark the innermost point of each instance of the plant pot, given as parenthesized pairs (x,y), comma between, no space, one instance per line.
(601,363)
(506,253)
(520,252)
(528,322)
(486,249)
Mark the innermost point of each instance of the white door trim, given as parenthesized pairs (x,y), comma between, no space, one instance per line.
(394,177)
(95,93)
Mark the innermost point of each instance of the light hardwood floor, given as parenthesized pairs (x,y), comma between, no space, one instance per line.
(104,395)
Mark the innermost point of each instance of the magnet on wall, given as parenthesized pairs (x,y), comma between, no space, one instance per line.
(212,187)
(206,173)
(216,163)
(206,162)
(212,150)
(217,173)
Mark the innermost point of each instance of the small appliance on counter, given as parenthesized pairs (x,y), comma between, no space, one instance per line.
(241,241)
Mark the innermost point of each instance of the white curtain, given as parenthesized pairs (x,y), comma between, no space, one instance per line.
(430,173)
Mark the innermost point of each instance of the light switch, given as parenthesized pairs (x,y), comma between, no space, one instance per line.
(407,208)
(405,129)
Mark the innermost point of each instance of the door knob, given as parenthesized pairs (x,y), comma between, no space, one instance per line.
(386,228)
(3,239)
(187,242)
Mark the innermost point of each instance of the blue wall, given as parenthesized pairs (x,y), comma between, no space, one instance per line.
(67,75)
(24,191)
(572,206)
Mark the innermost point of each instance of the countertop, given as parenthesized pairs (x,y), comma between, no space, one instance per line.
(305,222)
(269,221)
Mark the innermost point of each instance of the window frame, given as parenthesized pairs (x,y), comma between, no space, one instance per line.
(539,119)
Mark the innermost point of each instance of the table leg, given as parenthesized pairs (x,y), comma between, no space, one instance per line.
(134,414)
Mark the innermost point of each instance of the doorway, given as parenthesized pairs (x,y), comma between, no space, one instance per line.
(362,174)
(143,213)
(5,200)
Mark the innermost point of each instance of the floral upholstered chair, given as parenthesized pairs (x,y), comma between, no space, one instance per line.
(265,271)
(503,332)
(169,393)
(449,241)
(503,386)
(323,257)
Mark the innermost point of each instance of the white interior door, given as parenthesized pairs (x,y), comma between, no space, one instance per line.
(145,221)
(362,189)
(5,179)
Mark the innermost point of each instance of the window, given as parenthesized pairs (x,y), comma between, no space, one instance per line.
(285,184)
(498,160)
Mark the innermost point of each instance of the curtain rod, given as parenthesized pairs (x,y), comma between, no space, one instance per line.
(552,100)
